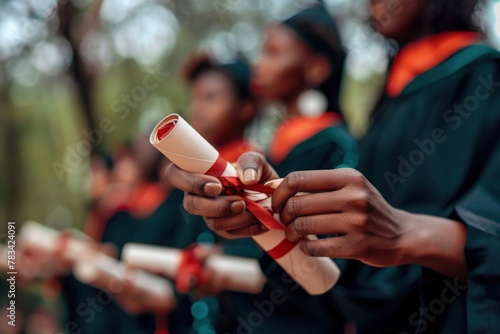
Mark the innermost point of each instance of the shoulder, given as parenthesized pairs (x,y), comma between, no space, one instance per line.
(476,59)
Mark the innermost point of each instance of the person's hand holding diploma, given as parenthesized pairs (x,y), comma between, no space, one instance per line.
(336,202)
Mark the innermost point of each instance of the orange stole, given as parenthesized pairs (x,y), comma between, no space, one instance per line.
(297,130)
(423,55)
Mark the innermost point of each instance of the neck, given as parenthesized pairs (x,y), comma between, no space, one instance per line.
(420,30)
(236,135)
(291,106)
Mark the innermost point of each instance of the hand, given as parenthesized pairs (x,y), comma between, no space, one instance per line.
(135,301)
(226,215)
(130,299)
(344,203)
(368,229)
(214,284)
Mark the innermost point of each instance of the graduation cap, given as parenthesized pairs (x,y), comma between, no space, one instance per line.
(318,30)
(240,71)
(311,25)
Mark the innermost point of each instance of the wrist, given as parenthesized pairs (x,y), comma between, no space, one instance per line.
(436,243)
(414,244)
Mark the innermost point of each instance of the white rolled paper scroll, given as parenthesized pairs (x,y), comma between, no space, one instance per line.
(239,274)
(47,240)
(104,272)
(188,150)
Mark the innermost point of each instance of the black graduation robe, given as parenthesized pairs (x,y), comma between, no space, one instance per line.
(323,144)
(434,148)
(274,309)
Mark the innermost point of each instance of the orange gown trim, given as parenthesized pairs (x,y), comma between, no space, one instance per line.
(423,55)
(297,130)
(232,151)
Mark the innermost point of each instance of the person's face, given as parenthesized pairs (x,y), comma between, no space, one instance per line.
(212,111)
(126,170)
(396,18)
(98,178)
(145,156)
(279,72)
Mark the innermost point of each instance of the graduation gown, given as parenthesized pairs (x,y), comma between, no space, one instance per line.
(304,143)
(246,313)
(299,144)
(170,226)
(434,148)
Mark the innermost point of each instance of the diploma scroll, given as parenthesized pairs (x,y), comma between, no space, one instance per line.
(104,272)
(239,274)
(189,151)
(50,241)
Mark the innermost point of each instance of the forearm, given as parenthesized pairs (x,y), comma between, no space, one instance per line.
(438,244)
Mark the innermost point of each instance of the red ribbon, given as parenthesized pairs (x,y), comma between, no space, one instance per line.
(189,268)
(233,186)
(165,130)
(60,247)
(161,323)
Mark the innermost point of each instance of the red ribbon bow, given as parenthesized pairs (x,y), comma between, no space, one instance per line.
(161,323)
(233,186)
(190,268)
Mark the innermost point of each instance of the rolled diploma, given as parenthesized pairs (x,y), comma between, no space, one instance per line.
(102,271)
(45,239)
(188,150)
(240,274)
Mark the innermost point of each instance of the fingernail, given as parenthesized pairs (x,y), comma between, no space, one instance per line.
(250,174)
(274,183)
(238,207)
(212,189)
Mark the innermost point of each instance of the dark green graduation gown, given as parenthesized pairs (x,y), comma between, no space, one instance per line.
(330,148)
(457,176)
(435,149)
(297,311)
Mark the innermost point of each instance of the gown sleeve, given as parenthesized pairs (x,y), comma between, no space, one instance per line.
(479,209)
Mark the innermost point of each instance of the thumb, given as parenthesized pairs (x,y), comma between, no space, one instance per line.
(253,168)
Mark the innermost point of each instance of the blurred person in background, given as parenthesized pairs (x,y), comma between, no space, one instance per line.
(221,108)
(221,105)
(301,66)
(425,204)
(144,210)
(302,56)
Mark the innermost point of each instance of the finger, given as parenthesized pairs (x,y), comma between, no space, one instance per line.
(315,225)
(220,284)
(235,222)
(253,168)
(316,204)
(213,206)
(313,181)
(108,249)
(198,184)
(246,232)
(336,247)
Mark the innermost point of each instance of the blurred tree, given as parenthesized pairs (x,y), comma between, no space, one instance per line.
(75,30)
